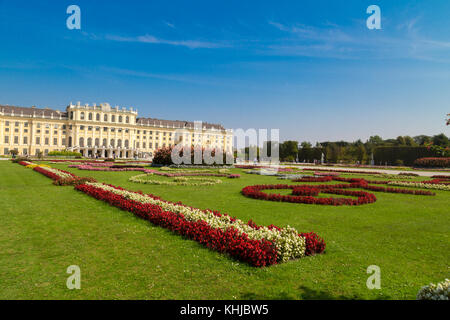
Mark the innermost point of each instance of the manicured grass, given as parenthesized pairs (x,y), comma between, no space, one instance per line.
(44,229)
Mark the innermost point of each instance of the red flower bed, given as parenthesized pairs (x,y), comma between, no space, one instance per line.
(257,253)
(314,179)
(50,174)
(439,180)
(433,162)
(314,243)
(305,194)
(343,171)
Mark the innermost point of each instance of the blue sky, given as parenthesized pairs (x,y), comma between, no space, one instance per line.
(310,68)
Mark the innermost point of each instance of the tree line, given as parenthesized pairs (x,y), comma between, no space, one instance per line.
(403,150)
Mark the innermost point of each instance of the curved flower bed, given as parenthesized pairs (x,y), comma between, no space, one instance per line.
(100,167)
(257,245)
(305,194)
(178,181)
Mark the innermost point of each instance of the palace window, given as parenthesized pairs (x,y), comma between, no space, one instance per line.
(25,140)
(81,142)
(127,119)
(17,124)
(6,123)
(97,117)
(126,144)
(105,118)
(119,143)
(89,142)
(55,141)
(81,127)
(6,139)
(47,141)
(137,145)
(38,140)
(6,129)
(82,116)
(97,142)
(90,116)
(63,141)
(112,143)
(113,118)
(105,129)
(120,119)
(105,142)
(6,150)
(26,124)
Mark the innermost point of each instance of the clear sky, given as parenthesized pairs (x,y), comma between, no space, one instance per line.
(310,68)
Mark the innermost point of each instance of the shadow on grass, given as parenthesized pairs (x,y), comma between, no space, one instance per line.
(305,293)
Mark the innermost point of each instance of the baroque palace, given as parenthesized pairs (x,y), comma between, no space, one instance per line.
(101,131)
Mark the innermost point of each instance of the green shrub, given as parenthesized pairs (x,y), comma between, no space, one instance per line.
(64,153)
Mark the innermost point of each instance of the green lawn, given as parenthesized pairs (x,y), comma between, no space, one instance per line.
(44,229)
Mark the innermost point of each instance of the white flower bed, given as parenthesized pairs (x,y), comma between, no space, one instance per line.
(287,241)
(420,185)
(440,291)
(177,181)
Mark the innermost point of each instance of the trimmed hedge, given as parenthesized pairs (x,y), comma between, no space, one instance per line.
(433,162)
(393,155)
(64,153)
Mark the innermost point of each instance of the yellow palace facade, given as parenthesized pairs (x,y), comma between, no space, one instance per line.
(101,131)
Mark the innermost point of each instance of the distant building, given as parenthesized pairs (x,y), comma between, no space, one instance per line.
(100,130)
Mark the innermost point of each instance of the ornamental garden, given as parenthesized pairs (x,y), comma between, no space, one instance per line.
(240,232)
